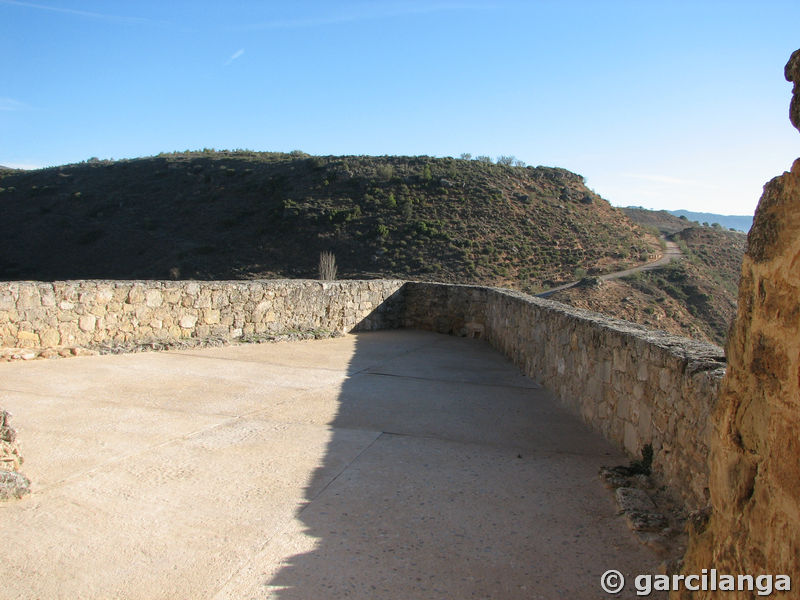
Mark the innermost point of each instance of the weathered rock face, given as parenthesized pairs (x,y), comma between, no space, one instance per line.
(792,73)
(755,447)
(12,482)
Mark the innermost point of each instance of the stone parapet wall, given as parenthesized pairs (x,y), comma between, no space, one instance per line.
(634,385)
(87,313)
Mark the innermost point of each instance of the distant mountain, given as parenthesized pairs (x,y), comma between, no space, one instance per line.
(737,222)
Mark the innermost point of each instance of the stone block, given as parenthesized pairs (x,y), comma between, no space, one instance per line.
(153,298)
(50,337)
(7,300)
(87,322)
(104,295)
(68,333)
(188,321)
(203,299)
(631,440)
(136,295)
(28,339)
(28,297)
(48,297)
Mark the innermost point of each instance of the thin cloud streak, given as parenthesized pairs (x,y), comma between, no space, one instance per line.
(78,13)
(366,13)
(9,104)
(234,56)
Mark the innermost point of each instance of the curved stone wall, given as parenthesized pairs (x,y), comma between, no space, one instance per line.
(635,386)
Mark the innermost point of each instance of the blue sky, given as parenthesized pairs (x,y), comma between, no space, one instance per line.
(661,104)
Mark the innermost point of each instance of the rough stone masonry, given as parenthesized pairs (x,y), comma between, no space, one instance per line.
(634,385)
(13,484)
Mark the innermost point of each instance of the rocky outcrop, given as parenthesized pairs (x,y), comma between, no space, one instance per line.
(754,527)
(792,73)
(13,484)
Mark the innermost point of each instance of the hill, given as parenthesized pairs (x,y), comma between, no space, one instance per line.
(663,221)
(695,296)
(239,215)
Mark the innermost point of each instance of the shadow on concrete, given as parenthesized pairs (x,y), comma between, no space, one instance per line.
(448,474)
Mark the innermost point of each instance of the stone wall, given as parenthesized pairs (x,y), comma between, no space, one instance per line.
(87,313)
(754,526)
(634,385)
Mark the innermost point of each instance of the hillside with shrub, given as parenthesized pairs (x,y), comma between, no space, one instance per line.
(695,296)
(242,214)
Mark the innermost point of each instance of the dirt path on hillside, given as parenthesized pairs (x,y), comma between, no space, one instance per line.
(671,252)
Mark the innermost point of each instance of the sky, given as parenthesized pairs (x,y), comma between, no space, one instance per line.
(665,105)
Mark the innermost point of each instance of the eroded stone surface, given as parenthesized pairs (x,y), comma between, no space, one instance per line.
(754,525)
(13,484)
(792,73)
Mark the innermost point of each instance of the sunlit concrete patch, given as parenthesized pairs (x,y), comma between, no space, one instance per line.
(426,518)
(374,465)
(183,516)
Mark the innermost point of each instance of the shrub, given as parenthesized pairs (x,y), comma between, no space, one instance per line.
(327,266)
(385,172)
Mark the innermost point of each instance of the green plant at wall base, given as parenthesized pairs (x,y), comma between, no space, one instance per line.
(644,465)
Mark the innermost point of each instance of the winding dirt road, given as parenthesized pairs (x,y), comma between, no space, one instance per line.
(671,252)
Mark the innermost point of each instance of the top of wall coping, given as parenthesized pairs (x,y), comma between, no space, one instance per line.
(702,356)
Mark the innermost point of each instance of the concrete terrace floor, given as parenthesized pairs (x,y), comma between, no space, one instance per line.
(396,464)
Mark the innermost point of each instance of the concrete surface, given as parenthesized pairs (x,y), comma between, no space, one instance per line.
(395,464)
